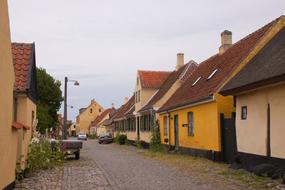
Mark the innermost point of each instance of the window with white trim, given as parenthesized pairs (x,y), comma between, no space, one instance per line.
(196,81)
(212,74)
(165,125)
(190,116)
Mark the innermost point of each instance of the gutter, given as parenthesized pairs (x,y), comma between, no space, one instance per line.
(195,103)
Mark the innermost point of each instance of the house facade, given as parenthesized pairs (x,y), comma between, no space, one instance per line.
(87,115)
(147,85)
(25,97)
(191,119)
(97,126)
(259,90)
(175,79)
(8,134)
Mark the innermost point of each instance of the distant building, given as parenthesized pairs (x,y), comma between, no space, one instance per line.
(87,115)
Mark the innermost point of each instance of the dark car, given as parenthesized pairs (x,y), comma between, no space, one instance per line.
(105,138)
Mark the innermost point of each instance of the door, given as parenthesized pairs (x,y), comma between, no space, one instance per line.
(228,134)
(176,139)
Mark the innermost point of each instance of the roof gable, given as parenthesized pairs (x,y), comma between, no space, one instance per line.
(225,64)
(152,79)
(265,68)
(100,117)
(181,74)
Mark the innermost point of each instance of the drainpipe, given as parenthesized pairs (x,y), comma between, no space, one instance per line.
(168,116)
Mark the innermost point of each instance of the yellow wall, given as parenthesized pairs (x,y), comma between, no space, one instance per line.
(252,132)
(206,124)
(86,117)
(8,136)
(25,107)
(132,135)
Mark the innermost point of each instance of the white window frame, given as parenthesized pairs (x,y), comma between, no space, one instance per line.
(212,74)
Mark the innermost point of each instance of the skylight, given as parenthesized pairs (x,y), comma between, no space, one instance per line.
(212,74)
(196,81)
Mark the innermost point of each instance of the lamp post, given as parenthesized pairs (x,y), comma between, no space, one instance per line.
(76,83)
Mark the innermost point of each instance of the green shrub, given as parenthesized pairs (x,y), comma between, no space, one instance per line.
(138,143)
(44,155)
(116,139)
(122,139)
(93,136)
(155,142)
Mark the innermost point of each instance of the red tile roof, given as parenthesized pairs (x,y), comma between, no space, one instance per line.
(226,63)
(124,109)
(22,55)
(152,79)
(181,74)
(100,117)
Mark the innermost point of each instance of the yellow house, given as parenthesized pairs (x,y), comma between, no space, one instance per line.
(124,120)
(259,89)
(25,97)
(175,79)
(8,134)
(191,119)
(147,84)
(97,126)
(87,115)
(72,130)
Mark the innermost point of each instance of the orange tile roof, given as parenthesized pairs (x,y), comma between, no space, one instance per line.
(22,55)
(152,79)
(100,117)
(181,74)
(124,109)
(226,63)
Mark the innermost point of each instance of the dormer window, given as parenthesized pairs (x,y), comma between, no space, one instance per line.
(212,74)
(196,81)
(91,110)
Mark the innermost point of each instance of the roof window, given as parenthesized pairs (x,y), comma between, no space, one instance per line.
(212,74)
(196,81)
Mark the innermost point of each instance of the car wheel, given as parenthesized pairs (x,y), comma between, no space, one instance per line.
(77,155)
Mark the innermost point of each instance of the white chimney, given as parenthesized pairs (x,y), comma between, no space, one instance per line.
(126,99)
(226,41)
(180,61)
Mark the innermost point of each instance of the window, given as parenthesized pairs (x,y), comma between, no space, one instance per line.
(138,81)
(100,110)
(212,74)
(196,81)
(139,95)
(91,110)
(190,124)
(165,126)
(244,112)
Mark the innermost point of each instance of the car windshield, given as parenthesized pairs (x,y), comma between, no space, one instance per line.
(81,133)
(104,134)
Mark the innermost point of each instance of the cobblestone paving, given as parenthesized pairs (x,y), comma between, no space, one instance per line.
(112,167)
(74,175)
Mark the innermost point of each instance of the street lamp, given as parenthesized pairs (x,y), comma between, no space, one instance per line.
(76,83)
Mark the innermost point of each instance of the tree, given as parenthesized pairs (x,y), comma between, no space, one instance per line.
(49,100)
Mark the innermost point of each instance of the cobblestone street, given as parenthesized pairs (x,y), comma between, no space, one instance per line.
(123,167)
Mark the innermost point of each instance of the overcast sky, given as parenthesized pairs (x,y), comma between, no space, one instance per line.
(102,43)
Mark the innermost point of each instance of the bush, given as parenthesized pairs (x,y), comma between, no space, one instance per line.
(116,139)
(122,139)
(93,136)
(155,142)
(44,155)
(138,143)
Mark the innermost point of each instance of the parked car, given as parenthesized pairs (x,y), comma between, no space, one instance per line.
(105,138)
(82,136)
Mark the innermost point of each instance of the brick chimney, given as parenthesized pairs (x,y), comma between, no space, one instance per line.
(113,105)
(226,41)
(180,61)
